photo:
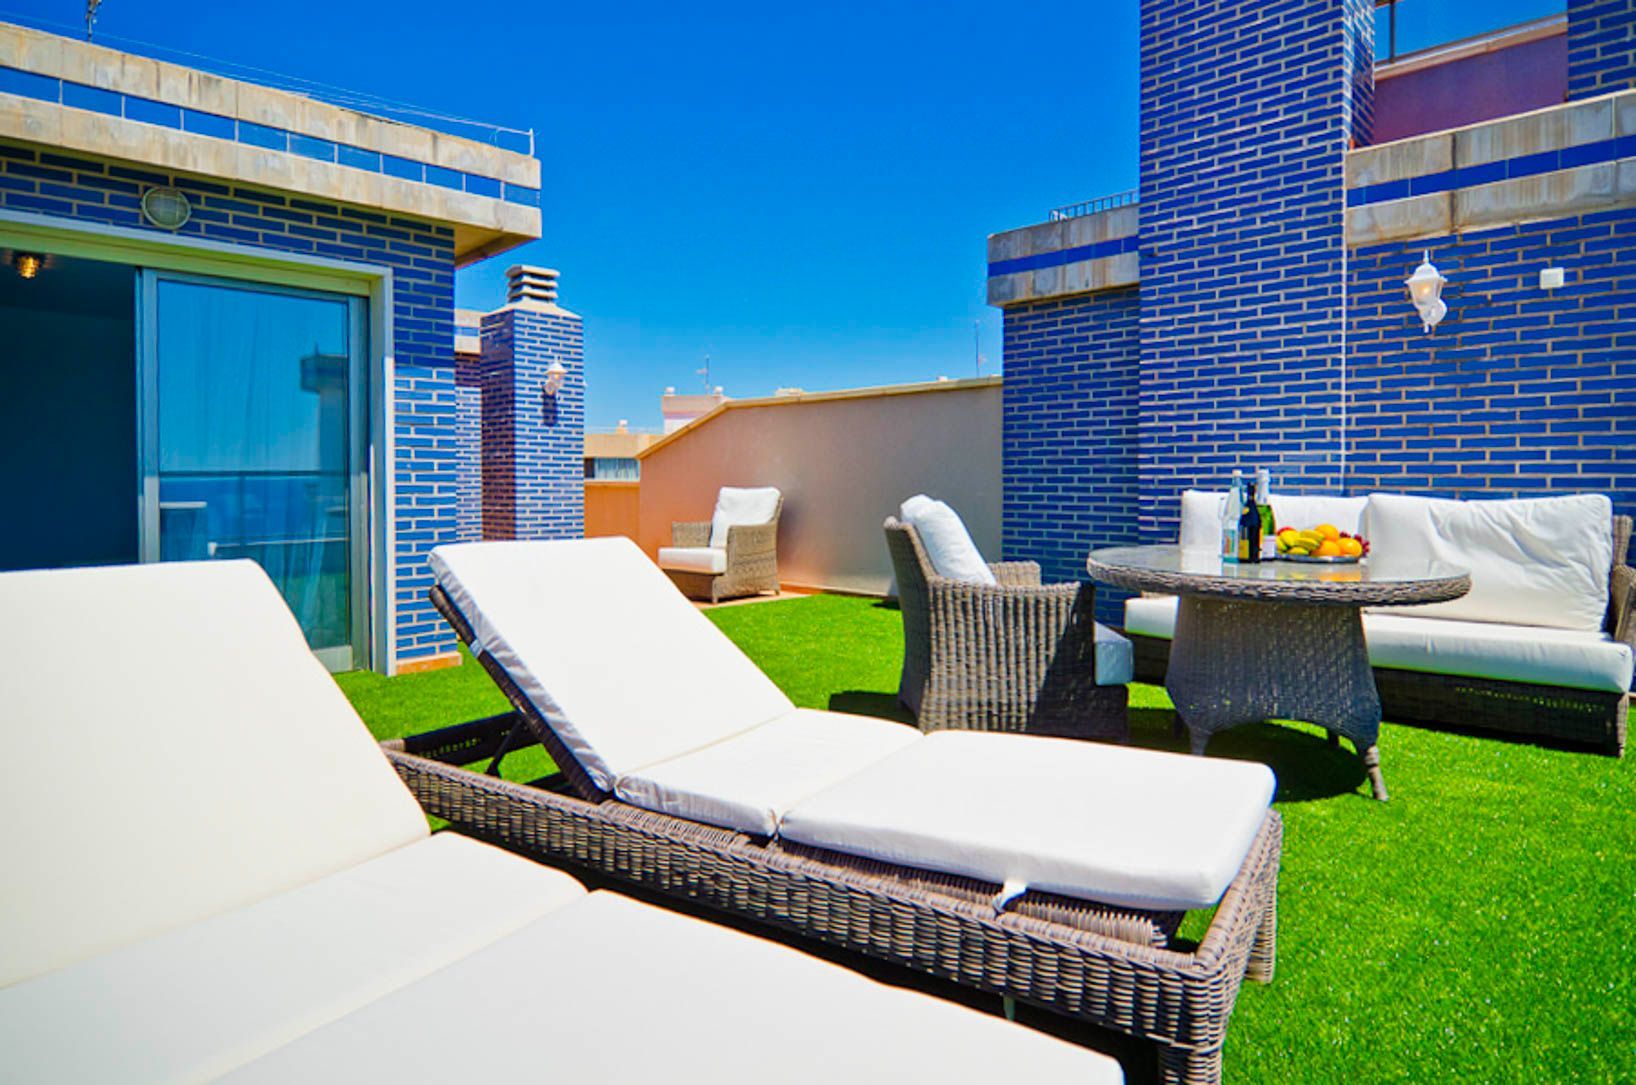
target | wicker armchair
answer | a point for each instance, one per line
(752, 559)
(1018, 656)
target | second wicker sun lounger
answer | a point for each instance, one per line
(1035, 868)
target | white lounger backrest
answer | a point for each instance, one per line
(625, 669)
(172, 751)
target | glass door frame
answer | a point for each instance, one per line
(357, 653)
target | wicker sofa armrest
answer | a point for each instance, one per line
(749, 541)
(690, 533)
(1622, 611)
(1021, 574)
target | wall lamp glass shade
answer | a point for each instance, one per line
(28, 264)
(1426, 292)
(554, 376)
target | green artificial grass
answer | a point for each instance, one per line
(1476, 928)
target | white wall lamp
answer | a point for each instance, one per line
(1426, 290)
(555, 374)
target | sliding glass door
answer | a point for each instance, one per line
(252, 426)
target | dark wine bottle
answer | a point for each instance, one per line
(1249, 529)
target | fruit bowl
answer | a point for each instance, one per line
(1325, 544)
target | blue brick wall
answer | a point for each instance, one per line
(1520, 391)
(468, 428)
(533, 444)
(1601, 47)
(421, 258)
(1069, 433)
(1247, 111)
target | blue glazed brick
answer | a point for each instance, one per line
(151, 112)
(260, 135)
(95, 99)
(483, 186)
(528, 197)
(445, 178)
(310, 147)
(209, 124)
(1601, 47)
(393, 166)
(358, 158)
(29, 85)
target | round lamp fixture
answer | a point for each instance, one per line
(554, 376)
(1426, 292)
(28, 264)
(166, 208)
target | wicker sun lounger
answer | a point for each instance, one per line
(1114, 967)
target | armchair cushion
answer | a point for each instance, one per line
(693, 559)
(735, 506)
(1124, 826)
(1534, 561)
(946, 541)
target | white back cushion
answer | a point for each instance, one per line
(627, 671)
(735, 507)
(173, 750)
(947, 543)
(1201, 514)
(1535, 561)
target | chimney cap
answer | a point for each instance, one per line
(531, 286)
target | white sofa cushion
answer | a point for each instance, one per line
(170, 740)
(1534, 561)
(195, 1002)
(1201, 514)
(748, 781)
(1114, 824)
(623, 991)
(1571, 658)
(693, 559)
(737, 507)
(944, 537)
(626, 669)
(1115, 658)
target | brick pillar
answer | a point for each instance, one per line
(1601, 47)
(1247, 113)
(533, 440)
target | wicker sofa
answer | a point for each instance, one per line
(1552, 660)
(731, 555)
(231, 884)
(1014, 656)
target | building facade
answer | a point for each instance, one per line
(1249, 300)
(230, 334)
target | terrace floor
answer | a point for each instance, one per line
(1481, 926)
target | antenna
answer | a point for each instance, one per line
(976, 349)
(704, 373)
(91, 17)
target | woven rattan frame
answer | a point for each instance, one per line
(1105, 966)
(752, 559)
(1017, 656)
(1588, 717)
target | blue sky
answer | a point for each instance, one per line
(800, 192)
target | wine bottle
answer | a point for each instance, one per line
(1269, 523)
(1232, 508)
(1249, 530)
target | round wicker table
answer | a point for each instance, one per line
(1276, 640)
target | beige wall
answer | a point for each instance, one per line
(844, 461)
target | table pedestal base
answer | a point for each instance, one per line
(1238, 661)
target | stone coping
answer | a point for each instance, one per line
(1076, 255)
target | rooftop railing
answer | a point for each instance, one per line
(1091, 207)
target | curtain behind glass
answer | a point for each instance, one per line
(253, 441)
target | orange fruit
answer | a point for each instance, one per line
(1350, 547)
(1328, 531)
(1329, 548)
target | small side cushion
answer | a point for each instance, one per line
(693, 559)
(1115, 658)
(1123, 826)
(1541, 561)
(198, 1001)
(947, 543)
(1151, 616)
(747, 782)
(609, 989)
(736, 506)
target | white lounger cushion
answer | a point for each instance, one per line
(1123, 826)
(747, 782)
(741, 507)
(630, 993)
(172, 743)
(1570, 658)
(693, 559)
(200, 1000)
(626, 669)
(1536, 561)
(947, 543)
